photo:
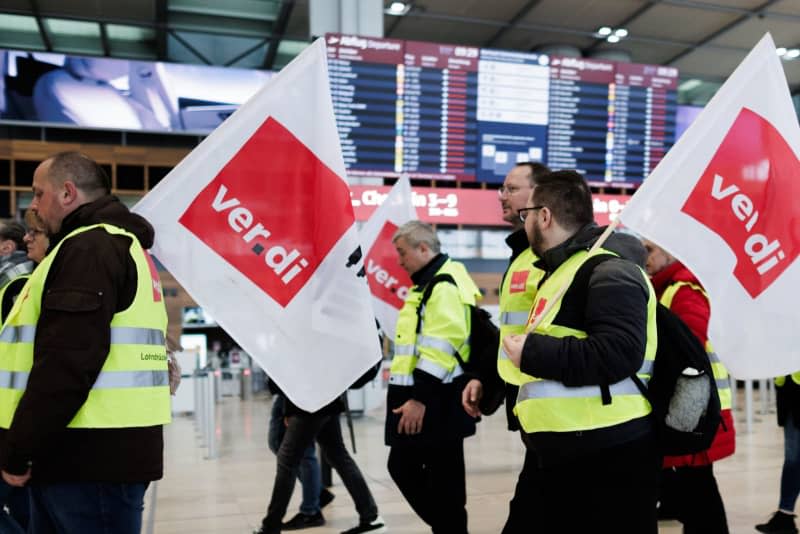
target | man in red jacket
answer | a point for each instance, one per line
(689, 489)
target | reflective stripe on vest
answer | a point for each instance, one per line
(719, 371)
(432, 354)
(515, 306)
(550, 406)
(132, 388)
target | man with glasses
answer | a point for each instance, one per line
(517, 290)
(578, 406)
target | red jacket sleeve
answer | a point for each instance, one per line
(693, 308)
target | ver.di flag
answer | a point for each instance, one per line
(388, 282)
(724, 202)
(256, 223)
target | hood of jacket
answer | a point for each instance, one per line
(108, 210)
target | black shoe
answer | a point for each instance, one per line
(325, 497)
(301, 521)
(376, 525)
(779, 523)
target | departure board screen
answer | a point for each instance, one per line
(448, 112)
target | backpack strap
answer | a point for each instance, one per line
(426, 295)
(579, 289)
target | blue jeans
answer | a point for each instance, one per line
(308, 472)
(790, 475)
(88, 508)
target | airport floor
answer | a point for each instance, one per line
(229, 494)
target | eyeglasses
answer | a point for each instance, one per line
(523, 212)
(508, 190)
(32, 232)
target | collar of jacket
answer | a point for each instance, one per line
(580, 240)
(674, 272)
(424, 275)
(517, 241)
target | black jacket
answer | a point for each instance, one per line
(91, 278)
(445, 418)
(614, 315)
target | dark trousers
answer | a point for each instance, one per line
(18, 504)
(692, 495)
(432, 480)
(300, 434)
(519, 519)
(610, 490)
(88, 508)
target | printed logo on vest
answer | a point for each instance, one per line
(154, 278)
(540, 305)
(273, 212)
(387, 280)
(747, 195)
(519, 280)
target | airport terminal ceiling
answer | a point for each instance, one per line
(705, 40)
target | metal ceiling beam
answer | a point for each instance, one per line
(703, 6)
(48, 44)
(104, 40)
(518, 16)
(247, 52)
(189, 47)
(277, 33)
(161, 29)
(625, 22)
(726, 28)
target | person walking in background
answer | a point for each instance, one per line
(788, 401)
(425, 423)
(315, 497)
(689, 491)
(581, 411)
(517, 291)
(302, 428)
(82, 421)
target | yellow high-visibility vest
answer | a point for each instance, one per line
(781, 380)
(550, 406)
(445, 329)
(721, 375)
(132, 389)
(516, 298)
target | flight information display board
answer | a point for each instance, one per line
(449, 112)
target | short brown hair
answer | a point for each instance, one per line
(537, 170)
(568, 197)
(83, 171)
(14, 231)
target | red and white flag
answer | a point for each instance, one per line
(388, 281)
(256, 223)
(724, 202)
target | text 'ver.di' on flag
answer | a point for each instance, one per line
(388, 282)
(724, 202)
(256, 223)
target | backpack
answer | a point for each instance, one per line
(484, 339)
(682, 389)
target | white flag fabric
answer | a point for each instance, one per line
(256, 223)
(724, 202)
(388, 282)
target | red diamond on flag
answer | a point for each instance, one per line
(273, 212)
(747, 195)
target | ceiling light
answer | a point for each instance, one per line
(780, 51)
(621, 33)
(688, 85)
(605, 30)
(792, 53)
(398, 8)
(612, 39)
